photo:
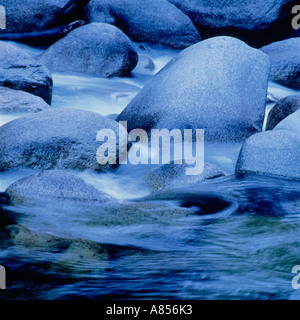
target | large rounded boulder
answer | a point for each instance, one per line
(219, 85)
(248, 15)
(97, 48)
(253, 20)
(149, 21)
(57, 139)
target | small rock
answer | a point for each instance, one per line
(282, 109)
(171, 176)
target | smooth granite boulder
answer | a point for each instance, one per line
(149, 21)
(282, 109)
(56, 139)
(285, 62)
(97, 48)
(21, 72)
(255, 21)
(274, 153)
(35, 15)
(172, 176)
(291, 123)
(55, 185)
(16, 101)
(219, 85)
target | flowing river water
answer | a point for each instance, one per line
(245, 250)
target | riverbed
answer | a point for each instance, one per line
(245, 251)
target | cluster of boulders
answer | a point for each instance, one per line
(175, 23)
(217, 84)
(178, 24)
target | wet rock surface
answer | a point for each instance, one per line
(21, 72)
(97, 48)
(146, 21)
(227, 99)
(55, 139)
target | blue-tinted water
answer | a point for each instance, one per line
(161, 246)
